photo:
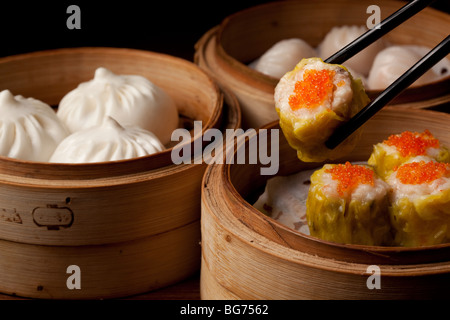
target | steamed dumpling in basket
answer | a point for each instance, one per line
(420, 203)
(29, 128)
(312, 101)
(348, 203)
(400, 148)
(130, 99)
(107, 142)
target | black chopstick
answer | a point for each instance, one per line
(372, 35)
(404, 81)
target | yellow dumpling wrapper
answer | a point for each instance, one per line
(312, 101)
(420, 212)
(359, 217)
(422, 222)
(401, 148)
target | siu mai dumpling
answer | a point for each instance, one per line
(420, 203)
(29, 128)
(312, 101)
(130, 99)
(400, 148)
(348, 203)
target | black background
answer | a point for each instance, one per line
(171, 27)
(163, 26)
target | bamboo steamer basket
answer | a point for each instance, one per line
(131, 226)
(227, 49)
(248, 255)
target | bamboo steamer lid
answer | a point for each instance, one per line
(227, 49)
(248, 255)
(131, 226)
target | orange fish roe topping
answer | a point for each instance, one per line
(310, 92)
(350, 176)
(422, 172)
(413, 143)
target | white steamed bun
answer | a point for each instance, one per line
(29, 128)
(109, 141)
(130, 99)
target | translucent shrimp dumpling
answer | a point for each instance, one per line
(29, 128)
(312, 101)
(283, 56)
(340, 36)
(391, 63)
